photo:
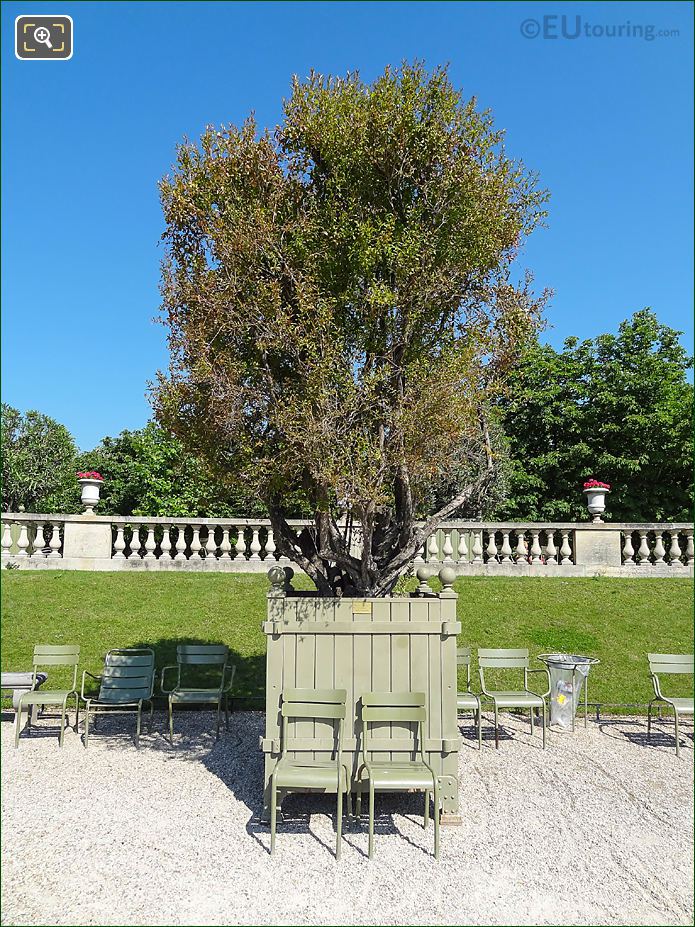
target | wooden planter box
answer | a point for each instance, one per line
(362, 645)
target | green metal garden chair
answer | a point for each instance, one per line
(300, 775)
(495, 659)
(50, 655)
(468, 700)
(396, 775)
(662, 664)
(126, 681)
(192, 660)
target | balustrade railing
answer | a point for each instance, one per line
(247, 544)
(35, 537)
(670, 545)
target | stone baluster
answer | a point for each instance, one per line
(180, 545)
(226, 544)
(119, 543)
(535, 546)
(520, 550)
(689, 552)
(54, 543)
(477, 548)
(674, 551)
(643, 552)
(628, 549)
(240, 546)
(506, 548)
(448, 548)
(565, 550)
(462, 548)
(195, 543)
(150, 544)
(550, 549)
(135, 543)
(165, 543)
(270, 546)
(6, 539)
(23, 541)
(491, 549)
(38, 543)
(433, 549)
(659, 550)
(418, 558)
(255, 545)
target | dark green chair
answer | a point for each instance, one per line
(306, 775)
(663, 664)
(496, 659)
(417, 775)
(468, 700)
(50, 655)
(126, 681)
(200, 663)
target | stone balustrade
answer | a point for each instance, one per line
(90, 542)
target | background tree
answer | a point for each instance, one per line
(340, 310)
(38, 463)
(150, 472)
(618, 408)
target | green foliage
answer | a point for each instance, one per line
(149, 472)
(340, 310)
(38, 463)
(617, 408)
(612, 619)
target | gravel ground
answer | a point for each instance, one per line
(596, 830)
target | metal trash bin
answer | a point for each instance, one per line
(568, 674)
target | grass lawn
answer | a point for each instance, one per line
(616, 620)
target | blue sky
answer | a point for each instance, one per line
(606, 121)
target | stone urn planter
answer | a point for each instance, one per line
(91, 483)
(595, 492)
(398, 643)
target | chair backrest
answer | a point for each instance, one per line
(463, 658)
(128, 676)
(662, 663)
(398, 707)
(496, 658)
(206, 664)
(57, 655)
(312, 705)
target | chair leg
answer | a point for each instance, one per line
(358, 804)
(497, 733)
(137, 726)
(649, 720)
(226, 712)
(678, 739)
(480, 728)
(171, 721)
(77, 713)
(532, 731)
(427, 809)
(18, 723)
(149, 726)
(436, 818)
(86, 727)
(273, 814)
(62, 723)
(339, 821)
(543, 724)
(371, 819)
